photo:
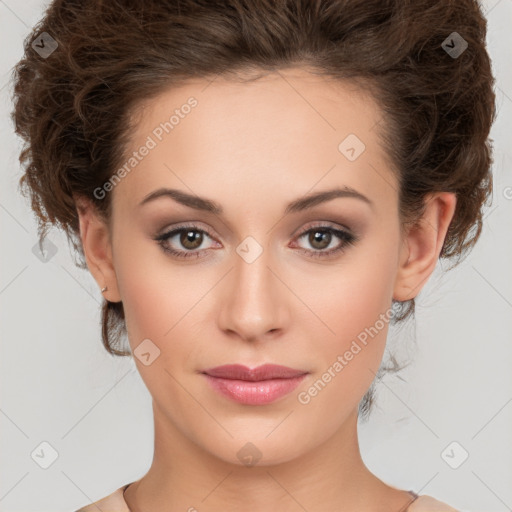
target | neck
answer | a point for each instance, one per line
(332, 476)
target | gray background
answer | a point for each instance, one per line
(60, 386)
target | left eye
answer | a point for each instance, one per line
(320, 237)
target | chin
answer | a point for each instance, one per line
(254, 450)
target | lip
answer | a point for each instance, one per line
(258, 386)
(263, 372)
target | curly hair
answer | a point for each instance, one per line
(73, 103)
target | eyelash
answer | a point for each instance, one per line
(348, 238)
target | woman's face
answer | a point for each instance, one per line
(308, 287)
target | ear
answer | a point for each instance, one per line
(96, 243)
(422, 245)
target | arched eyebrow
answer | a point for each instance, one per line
(298, 205)
(310, 200)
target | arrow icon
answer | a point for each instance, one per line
(454, 45)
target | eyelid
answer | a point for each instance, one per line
(194, 225)
(324, 224)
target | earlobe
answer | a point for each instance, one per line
(96, 243)
(422, 245)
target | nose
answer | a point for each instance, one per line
(254, 300)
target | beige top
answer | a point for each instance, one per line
(115, 503)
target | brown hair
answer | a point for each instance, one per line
(73, 105)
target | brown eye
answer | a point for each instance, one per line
(185, 241)
(191, 239)
(320, 239)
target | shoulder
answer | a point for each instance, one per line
(115, 502)
(112, 503)
(428, 504)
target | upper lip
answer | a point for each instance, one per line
(263, 372)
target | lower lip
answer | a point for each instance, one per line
(254, 393)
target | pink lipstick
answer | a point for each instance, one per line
(258, 386)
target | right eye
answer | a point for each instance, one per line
(190, 237)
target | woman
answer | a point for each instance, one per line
(255, 187)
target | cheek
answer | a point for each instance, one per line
(162, 303)
(156, 294)
(355, 304)
(355, 307)
(155, 303)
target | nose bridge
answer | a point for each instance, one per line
(254, 303)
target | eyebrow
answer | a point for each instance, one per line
(303, 203)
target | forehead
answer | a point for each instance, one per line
(284, 133)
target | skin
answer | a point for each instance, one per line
(253, 148)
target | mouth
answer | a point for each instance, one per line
(258, 386)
